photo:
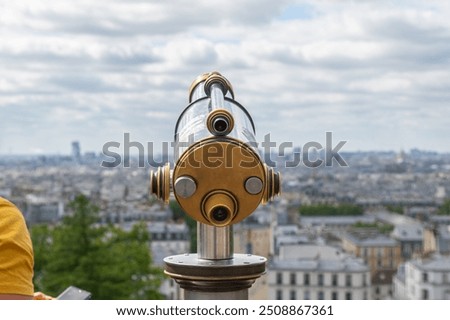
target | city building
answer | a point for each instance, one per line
(42, 210)
(425, 279)
(76, 151)
(317, 272)
(436, 238)
(410, 237)
(335, 222)
(252, 238)
(381, 253)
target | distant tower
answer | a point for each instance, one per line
(76, 152)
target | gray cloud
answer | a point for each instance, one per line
(374, 73)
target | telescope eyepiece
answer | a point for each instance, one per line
(220, 122)
(219, 208)
(220, 214)
(220, 125)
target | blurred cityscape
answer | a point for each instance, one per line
(397, 249)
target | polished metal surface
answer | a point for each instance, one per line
(217, 96)
(160, 182)
(190, 267)
(253, 185)
(185, 187)
(214, 243)
(218, 179)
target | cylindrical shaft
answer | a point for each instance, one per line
(217, 98)
(214, 243)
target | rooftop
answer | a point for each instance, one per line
(369, 238)
(316, 258)
(433, 263)
(408, 232)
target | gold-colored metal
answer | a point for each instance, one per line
(219, 207)
(216, 114)
(220, 166)
(160, 182)
(273, 186)
(214, 75)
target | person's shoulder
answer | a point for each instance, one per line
(8, 208)
(6, 204)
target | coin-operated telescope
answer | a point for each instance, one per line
(218, 179)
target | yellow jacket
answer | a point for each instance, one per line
(16, 252)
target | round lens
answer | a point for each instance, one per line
(220, 214)
(220, 125)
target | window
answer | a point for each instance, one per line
(306, 279)
(365, 295)
(425, 277)
(348, 280)
(425, 294)
(348, 296)
(320, 295)
(320, 279)
(380, 252)
(293, 295)
(306, 295)
(379, 262)
(293, 278)
(334, 295)
(377, 290)
(279, 278)
(334, 280)
(364, 279)
(279, 295)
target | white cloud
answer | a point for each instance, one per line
(345, 66)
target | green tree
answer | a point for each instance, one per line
(41, 236)
(444, 209)
(107, 261)
(381, 227)
(395, 208)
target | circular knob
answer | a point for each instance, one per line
(185, 187)
(160, 182)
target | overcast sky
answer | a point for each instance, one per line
(375, 73)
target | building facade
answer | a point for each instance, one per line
(381, 253)
(317, 272)
(424, 279)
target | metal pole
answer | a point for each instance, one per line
(214, 243)
(215, 272)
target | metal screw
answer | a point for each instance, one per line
(185, 186)
(253, 185)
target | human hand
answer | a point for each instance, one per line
(41, 296)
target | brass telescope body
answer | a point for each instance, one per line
(218, 178)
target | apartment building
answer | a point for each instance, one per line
(424, 279)
(317, 272)
(380, 253)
